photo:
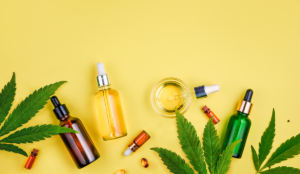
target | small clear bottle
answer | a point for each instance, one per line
(109, 108)
(80, 145)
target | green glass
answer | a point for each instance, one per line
(238, 128)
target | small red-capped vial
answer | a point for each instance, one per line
(137, 142)
(210, 114)
(31, 159)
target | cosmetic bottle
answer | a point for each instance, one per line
(109, 108)
(239, 126)
(137, 143)
(79, 145)
(31, 159)
(210, 114)
(171, 93)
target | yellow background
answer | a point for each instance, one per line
(236, 44)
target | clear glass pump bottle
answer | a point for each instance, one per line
(80, 145)
(239, 126)
(109, 108)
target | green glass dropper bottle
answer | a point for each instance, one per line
(239, 126)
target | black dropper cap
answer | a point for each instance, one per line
(248, 95)
(60, 110)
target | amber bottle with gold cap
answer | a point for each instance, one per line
(239, 126)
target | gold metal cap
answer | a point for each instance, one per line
(245, 107)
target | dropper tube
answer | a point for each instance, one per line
(200, 91)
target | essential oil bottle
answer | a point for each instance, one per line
(31, 159)
(109, 108)
(239, 126)
(80, 145)
(137, 143)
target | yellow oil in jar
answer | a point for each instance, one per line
(166, 92)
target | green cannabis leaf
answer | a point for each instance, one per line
(211, 145)
(282, 170)
(286, 150)
(255, 158)
(191, 146)
(267, 140)
(27, 109)
(190, 143)
(173, 161)
(224, 161)
(7, 96)
(12, 148)
(35, 133)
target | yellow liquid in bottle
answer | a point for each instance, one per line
(166, 92)
(110, 113)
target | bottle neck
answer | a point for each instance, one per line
(64, 118)
(104, 87)
(133, 146)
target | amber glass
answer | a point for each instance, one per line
(139, 141)
(141, 138)
(80, 145)
(30, 161)
(110, 112)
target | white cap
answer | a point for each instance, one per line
(101, 70)
(211, 88)
(128, 151)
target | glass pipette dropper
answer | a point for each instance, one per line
(200, 91)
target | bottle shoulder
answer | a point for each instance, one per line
(109, 91)
(69, 120)
(240, 117)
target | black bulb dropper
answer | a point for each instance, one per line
(60, 110)
(55, 101)
(248, 95)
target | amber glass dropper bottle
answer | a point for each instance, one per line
(239, 126)
(80, 145)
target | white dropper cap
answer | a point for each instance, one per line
(211, 88)
(102, 77)
(101, 69)
(128, 151)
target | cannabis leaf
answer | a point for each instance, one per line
(255, 159)
(173, 161)
(267, 140)
(211, 146)
(36, 133)
(7, 96)
(12, 148)
(29, 107)
(224, 161)
(282, 170)
(191, 146)
(286, 150)
(190, 143)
